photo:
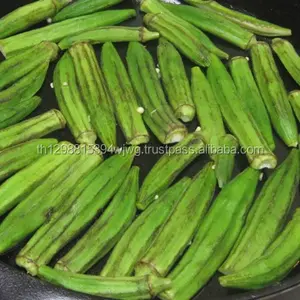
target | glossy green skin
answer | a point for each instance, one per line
(20, 65)
(251, 97)
(70, 101)
(123, 96)
(18, 157)
(158, 115)
(110, 34)
(215, 237)
(238, 120)
(215, 24)
(280, 258)
(90, 196)
(30, 129)
(266, 217)
(106, 231)
(288, 56)
(140, 235)
(145, 287)
(175, 81)
(82, 8)
(294, 98)
(28, 15)
(250, 23)
(168, 168)
(274, 93)
(56, 32)
(38, 207)
(180, 227)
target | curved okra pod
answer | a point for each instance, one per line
(266, 217)
(294, 98)
(123, 96)
(215, 237)
(238, 120)
(251, 97)
(215, 24)
(279, 259)
(288, 56)
(175, 81)
(250, 23)
(158, 115)
(274, 93)
(180, 227)
(82, 8)
(168, 167)
(56, 32)
(32, 128)
(143, 231)
(145, 287)
(90, 196)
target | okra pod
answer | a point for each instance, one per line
(266, 217)
(13, 111)
(28, 15)
(82, 8)
(214, 238)
(90, 196)
(175, 81)
(180, 227)
(110, 34)
(215, 24)
(18, 157)
(238, 120)
(250, 23)
(274, 93)
(145, 287)
(251, 97)
(169, 167)
(39, 206)
(158, 115)
(31, 129)
(294, 98)
(288, 56)
(56, 32)
(280, 258)
(143, 231)
(106, 231)
(123, 96)
(70, 101)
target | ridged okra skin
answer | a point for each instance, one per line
(294, 98)
(266, 217)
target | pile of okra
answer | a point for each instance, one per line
(165, 237)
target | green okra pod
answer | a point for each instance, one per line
(214, 238)
(168, 167)
(82, 8)
(140, 235)
(56, 32)
(175, 81)
(110, 34)
(274, 93)
(266, 217)
(237, 118)
(180, 227)
(250, 23)
(32, 128)
(158, 115)
(70, 101)
(90, 196)
(123, 96)
(288, 56)
(251, 97)
(28, 15)
(279, 259)
(145, 287)
(294, 98)
(215, 24)
(18, 157)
